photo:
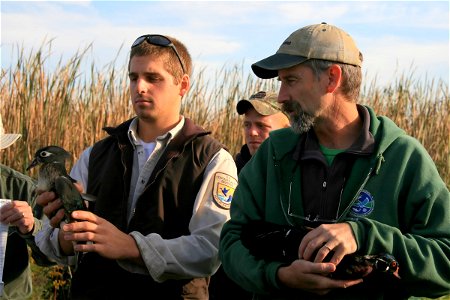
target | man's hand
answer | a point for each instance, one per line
(326, 238)
(312, 277)
(18, 213)
(98, 235)
(52, 207)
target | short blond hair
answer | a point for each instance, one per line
(171, 62)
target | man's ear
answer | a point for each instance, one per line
(334, 78)
(185, 85)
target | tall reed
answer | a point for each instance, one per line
(64, 106)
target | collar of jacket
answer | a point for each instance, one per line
(363, 145)
(382, 129)
(189, 131)
(242, 158)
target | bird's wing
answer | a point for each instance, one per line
(69, 195)
(61, 168)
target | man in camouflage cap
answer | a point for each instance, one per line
(262, 114)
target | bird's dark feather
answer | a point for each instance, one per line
(280, 243)
(69, 195)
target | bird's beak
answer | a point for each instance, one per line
(33, 164)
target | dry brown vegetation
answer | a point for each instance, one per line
(67, 107)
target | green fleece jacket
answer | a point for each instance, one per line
(394, 200)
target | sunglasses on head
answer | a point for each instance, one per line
(158, 40)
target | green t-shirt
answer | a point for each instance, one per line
(330, 153)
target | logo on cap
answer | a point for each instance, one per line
(258, 95)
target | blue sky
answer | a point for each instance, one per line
(396, 37)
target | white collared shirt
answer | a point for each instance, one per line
(144, 162)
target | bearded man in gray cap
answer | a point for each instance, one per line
(346, 181)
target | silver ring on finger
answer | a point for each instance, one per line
(325, 246)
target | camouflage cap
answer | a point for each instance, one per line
(265, 103)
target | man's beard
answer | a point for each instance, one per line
(301, 121)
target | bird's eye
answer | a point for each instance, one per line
(45, 154)
(393, 266)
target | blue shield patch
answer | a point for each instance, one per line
(364, 205)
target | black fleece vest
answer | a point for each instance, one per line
(172, 189)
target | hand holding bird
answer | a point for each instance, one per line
(18, 213)
(53, 177)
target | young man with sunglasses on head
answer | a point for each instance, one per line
(163, 189)
(340, 182)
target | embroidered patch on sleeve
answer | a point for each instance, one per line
(223, 189)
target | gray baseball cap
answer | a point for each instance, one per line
(265, 103)
(319, 41)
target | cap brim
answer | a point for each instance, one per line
(7, 139)
(260, 107)
(268, 67)
(242, 106)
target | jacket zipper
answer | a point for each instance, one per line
(344, 213)
(149, 184)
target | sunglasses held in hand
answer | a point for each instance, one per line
(158, 40)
